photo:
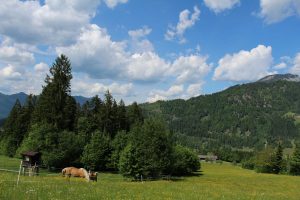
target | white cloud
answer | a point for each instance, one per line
(96, 54)
(139, 43)
(176, 92)
(190, 68)
(55, 22)
(194, 90)
(41, 68)
(146, 66)
(92, 87)
(220, 5)
(281, 65)
(14, 55)
(245, 65)
(173, 92)
(186, 20)
(16, 79)
(10, 72)
(277, 10)
(296, 65)
(114, 3)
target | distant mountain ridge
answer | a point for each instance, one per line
(8, 101)
(280, 77)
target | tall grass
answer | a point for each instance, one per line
(217, 181)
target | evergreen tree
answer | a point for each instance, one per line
(278, 159)
(295, 161)
(55, 105)
(135, 114)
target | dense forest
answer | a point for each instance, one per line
(235, 122)
(98, 135)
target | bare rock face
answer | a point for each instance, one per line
(280, 77)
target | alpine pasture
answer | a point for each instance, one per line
(215, 181)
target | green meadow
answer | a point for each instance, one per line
(215, 181)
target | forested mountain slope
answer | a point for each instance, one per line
(242, 117)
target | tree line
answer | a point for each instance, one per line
(101, 134)
(272, 160)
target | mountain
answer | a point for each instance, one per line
(243, 117)
(8, 101)
(280, 77)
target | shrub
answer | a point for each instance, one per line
(185, 161)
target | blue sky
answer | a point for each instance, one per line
(145, 50)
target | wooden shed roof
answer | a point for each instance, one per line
(30, 153)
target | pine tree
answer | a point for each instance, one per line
(295, 162)
(55, 104)
(122, 118)
(135, 114)
(277, 159)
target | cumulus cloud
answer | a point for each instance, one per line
(186, 21)
(296, 65)
(139, 43)
(220, 5)
(10, 72)
(41, 68)
(14, 55)
(16, 79)
(194, 90)
(281, 65)
(245, 65)
(92, 87)
(55, 22)
(273, 11)
(96, 54)
(173, 92)
(190, 68)
(146, 66)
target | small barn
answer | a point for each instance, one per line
(211, 158)
(31, 162)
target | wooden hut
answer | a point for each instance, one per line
(31, 162)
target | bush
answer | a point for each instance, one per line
(149, 152)
(185, 161)
(97, 152)
(248, 164)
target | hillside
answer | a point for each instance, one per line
(242, 117)
(7, 102)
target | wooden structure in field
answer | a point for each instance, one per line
(211, 158)
(30, 162)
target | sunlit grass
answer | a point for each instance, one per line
(217, 181)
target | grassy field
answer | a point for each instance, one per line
(217, 181)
